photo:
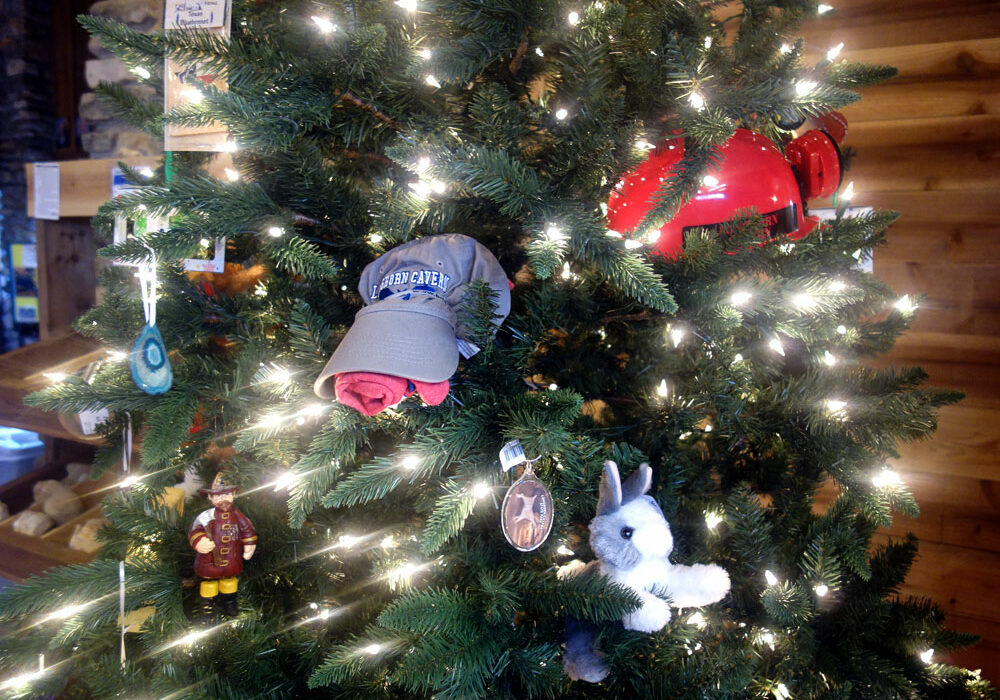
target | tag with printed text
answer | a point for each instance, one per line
(511, 455)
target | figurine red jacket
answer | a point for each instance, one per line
(230, 530)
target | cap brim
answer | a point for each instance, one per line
(401, 343)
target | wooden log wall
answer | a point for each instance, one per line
(928, 145)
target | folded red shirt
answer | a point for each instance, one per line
(371, 393)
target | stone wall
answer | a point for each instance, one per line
(105, 136)
(27, 124)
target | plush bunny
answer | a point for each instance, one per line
(632, 541)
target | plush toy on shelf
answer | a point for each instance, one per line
(633, 543)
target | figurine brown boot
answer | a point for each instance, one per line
(227, 604)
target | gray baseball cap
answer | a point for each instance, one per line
(409, 326)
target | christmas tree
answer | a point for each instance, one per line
(386, 562)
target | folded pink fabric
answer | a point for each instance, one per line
(370, 393)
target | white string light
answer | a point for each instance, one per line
(372, 649)
(561, 113)
(481, 490)
(565, 551)
(836, 408)
(709, 181)
(804, 87)
(662, 390)
(834, 51)
(771, 579)
(324, 24)
(887, 478)
(432, 81)
(285, 481)
(141, 72)
(232, 175)
(785, 48)
(276, 232)
(821, 590)
(823, 8)
(408, 5)
(905, 305)
(741, 297)
(410, 462)
(573, 18)
(712, 519)
(677, 334)
(848, 194)
(698, 620)
(632, 244)
(146, 171)
(828, 359)
(554, 233)
(780, 692)
(842, 330)
(804, 301)
(775, 344)
(696, 100)
(927, 656)
(55, 377)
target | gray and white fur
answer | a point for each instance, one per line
(633, 543)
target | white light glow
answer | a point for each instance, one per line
(66, 612)
(708, 42)
(632, 244)
(838, 285)
(740, 298)
(785, 48)
(828, 359)
(375, 239)
(771, 579)
(905, 305)
(677, 334)
(836, 406)
(408, 5)
(781, 692)
(848, 194)
(553, 386)
(410, 462)
(388, 542)
(821, 590)
(425, 54)
(834, 51)
(644, 145)
(712, 519)
(804, 301)
(710, 181)
(232, 175)
(55, 377)
(146, 171)
(766, 637)
(562, 113)
(481, 490)
(696, 100)
(285, 481)
(737, 358)
(573, 18)
(347, 541)
(538, 50)
(432, 81)
(566, 272)
(372, 649)
(804, 87)
(438, 187)
(776, 345)
(927, 656)
(823, 8)
(565, 551)
(698, 620)
(117, 355)
(423, 164)
(887, 478)
(141, 72)
(230, 147)
(842, 330)
(276, 232)
(662, 390)
(421, 188)
(324, 24)
(554, 233)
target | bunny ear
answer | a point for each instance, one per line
(638, 483)
(611, 490)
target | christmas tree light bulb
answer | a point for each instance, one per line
(538, 50)
(804, 87)
(423, 163)
(375, 239)
(838, 286)
(438, 187)
(230, 147)
(553, 387)
(192, 95)
(708, 42)
(771, 579)
(632, 244)
(432, 81)
(232, 175)
(828, 359)
(677, 335)
(821, 590)
(410, 462)
(276, 232)
(709, 181)
(823, 8)
(421, 188)
(848, 194)
(781, 692)
(698, 620)
(55, 377)
(776, 345)
(425, 54)
(204, 242)
(554, 233)
(373, 649)
(886, 478)
(804, 301)
(739, 298)
(661, 389)
(565, 551)
(388, 542)
(653, 237)
(696, 100)
(324, 24)
(905, 305)
(613, 234)
(566, 273)
(836, 408)
(146, 171)
(117, 355)
(785, 48)
(927, 656)
(481, 490)
(141, 72)
(842, 330)
(573, 18)
(129, 481)
(408, 5)
(562, 113)
(347, 541)
(644, 145)
(314, 606)
(766, 637)
(738, 357)
(834, 51)
(712, 519)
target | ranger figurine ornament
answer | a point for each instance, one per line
(222, 537)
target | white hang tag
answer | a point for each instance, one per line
(511, 455)
(466, 348)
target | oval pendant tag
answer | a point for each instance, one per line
(149, 362)
(526, 514)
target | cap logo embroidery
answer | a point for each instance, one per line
(429, 281)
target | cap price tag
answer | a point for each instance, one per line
(511, 455)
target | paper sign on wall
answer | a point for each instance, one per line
(46, 184)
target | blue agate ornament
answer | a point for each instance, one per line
(149, 362)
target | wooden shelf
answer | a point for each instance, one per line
(23, 371)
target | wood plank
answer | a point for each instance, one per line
(966, 58)
(967, 444)
(905, 24)
(84, 185)
(964, 167)
(944, 282)
(954, 243)
(946, 347)
(958, 318)
(961, 581)
(961, 208)
(902, 130)
(67, 276)
(926, 99)
(985, 655)
(953, 510)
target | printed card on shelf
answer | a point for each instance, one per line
(186, 81)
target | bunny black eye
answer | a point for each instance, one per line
(627, 532)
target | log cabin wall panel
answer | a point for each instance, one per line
(928, 145)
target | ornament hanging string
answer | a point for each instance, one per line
(126, 471)
(147, 287)
(121, 607)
